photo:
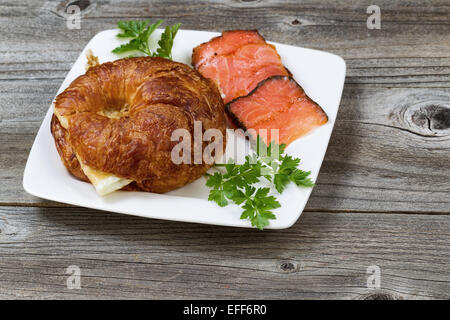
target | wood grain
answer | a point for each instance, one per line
(326, 24)
(389, 154)
(324, 255)
(402, 53)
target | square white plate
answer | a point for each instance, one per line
(322, 76)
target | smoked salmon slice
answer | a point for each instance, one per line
(278, 102)
(237, 61)
(225, 44)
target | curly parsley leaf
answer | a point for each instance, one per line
(300, 178)
(280, 181)
(234, 194)
(283, 172)
(140, 32)
(250, 173)
(214, 180)
(218, 196)
(217, 193)
(133, 45)
(148, 32)
(258, 208)
(288, 171)
(166, 42)
(235, 183)
(131, 29)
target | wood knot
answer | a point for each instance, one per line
(428, 118)
(6, 229)
(295, 22)
(249, 2)
(82, 4)
(379, 296)
(288, 267)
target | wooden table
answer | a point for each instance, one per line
(382, 197)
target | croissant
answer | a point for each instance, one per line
(118, 118)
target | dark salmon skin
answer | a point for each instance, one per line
(278, 102)
(237, 61)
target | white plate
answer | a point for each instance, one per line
(322, 76)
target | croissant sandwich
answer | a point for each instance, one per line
(113, 125)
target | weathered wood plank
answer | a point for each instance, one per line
(386, 152)
(417, 28)
(389, 150)
(325, 255)
(40, 46)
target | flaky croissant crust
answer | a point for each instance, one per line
(156, 96)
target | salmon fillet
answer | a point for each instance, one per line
(237, 61)
(225, 44)
(278, 102)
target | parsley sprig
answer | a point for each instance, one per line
(236, 183)
(140, 32)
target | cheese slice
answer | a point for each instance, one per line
(103, 182)
(62, 119)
